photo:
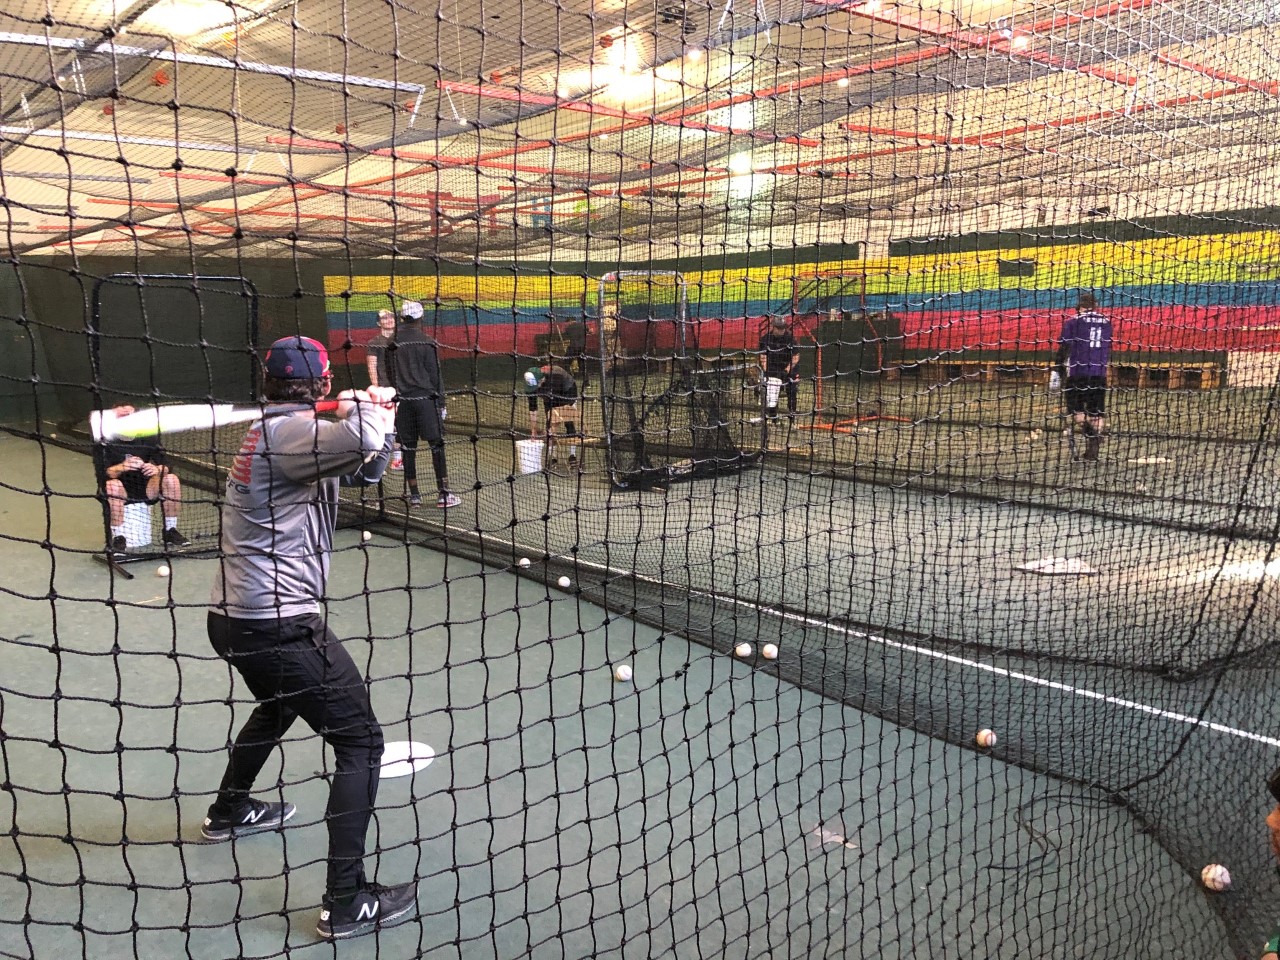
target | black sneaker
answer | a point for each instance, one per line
(173, 537)
(118, 549)
(373, 908)
(254, 816)
(415, 500)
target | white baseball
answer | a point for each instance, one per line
(743, 649)
(53, 436)
(769, 651)
(564, 583)
(986, 738)
(1216, 877)
(162, 570)
(366, 536)
(622, 673)
(524, 561)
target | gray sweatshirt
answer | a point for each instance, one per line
(280, 509)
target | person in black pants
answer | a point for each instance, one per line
(421, 411)
(558, 391)
(780, 360)
(135, 471)
(278, 517)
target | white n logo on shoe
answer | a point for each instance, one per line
(368, 911)
(253, 816)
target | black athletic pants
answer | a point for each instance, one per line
(295, 667)
(418, 419)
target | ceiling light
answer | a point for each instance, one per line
(184, 18)
(742, 115)
(740, 163)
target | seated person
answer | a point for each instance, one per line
(134, 471)
(558, 391)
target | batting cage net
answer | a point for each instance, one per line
(819, 497)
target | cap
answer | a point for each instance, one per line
(779, 323)
(533, 376)
(297, 358)
(411, 310)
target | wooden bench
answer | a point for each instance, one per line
(1140, 376)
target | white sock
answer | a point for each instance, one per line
(117, 531)
(170, 523)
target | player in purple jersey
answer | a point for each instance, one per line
(266, 620)
(1084, 350)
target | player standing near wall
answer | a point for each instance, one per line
(420, 412)
(1084, 351)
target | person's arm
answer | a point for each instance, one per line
(535, 428)
(435, 381)
(371, 471)
(371, 365)
(116, 462)
(154, 462)
(795, 357)
(306, 450)
(1064, 349)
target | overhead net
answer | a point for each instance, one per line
(826, 579)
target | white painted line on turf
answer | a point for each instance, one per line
(1170, 715)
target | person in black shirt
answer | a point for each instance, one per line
(558, 391)
(376, 350)
(780, 359)
(376, 363)
(415, 372)
(134, 471)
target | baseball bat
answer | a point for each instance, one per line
(106, 425)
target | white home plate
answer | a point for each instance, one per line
(403, 757)
(1058, 566)
(1148, 461)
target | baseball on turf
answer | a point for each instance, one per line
(1216, 877)
(769, 651)
(366, 535)
(162, 570)
(622, 673)
(743, 649)
(986, 738)
(564, 583)
(524, 561)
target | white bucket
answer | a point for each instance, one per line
(772, 387)
(137, 524)
(529, 455)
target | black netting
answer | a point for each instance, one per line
(824, 389)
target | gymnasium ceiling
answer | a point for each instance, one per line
(569, 128)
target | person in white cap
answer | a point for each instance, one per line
(420, 410)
